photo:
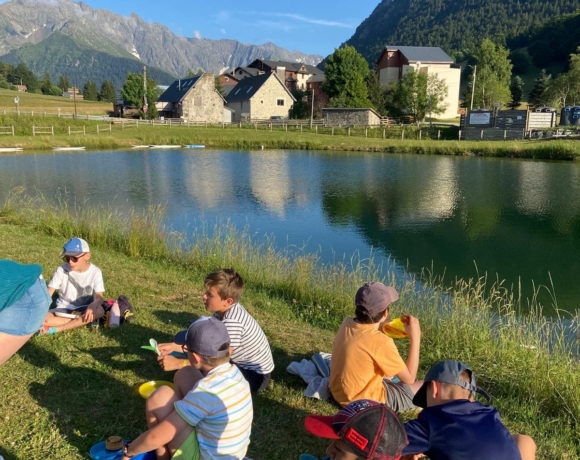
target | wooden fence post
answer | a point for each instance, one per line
(12, 130)
(482, 134)
(383, 133)
(349, 130)
(438, 134)
(402, 133)
(333, 131)
(420, 133)
(52, 129)
(97, 129)
(316, 127)
(504, 133)
(366, 132)
(84, 132)
(286, 126)
(301, 128)
(69, 130)
(33, 131)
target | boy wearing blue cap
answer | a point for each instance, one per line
(80, 290)
(214, 420)
(452, 426)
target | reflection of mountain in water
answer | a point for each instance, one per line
(452, 213)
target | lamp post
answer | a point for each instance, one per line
(474, 67)
(312, 109)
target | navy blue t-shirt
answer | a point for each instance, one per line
(460, 430)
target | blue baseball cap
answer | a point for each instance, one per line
(447, 372)
(75, 247)
(205, 336)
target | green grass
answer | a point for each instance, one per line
(63, 393)
(279, 138)
(41, 103)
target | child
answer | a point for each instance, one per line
(214, 420)
(364, 359)
(452, 426)
(250, 349)
(80, 289)
(364, 429)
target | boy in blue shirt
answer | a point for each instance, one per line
(452, 426)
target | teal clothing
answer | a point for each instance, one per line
(15, 280)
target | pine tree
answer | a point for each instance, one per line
(538, 93)
(108, 92)
(63, 83)
(90, 92)
(517, 91)
(46, 85)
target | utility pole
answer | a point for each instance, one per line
(75, 99)
(473, 86)
(312, 109)
(144, 89)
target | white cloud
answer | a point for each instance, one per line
(277, 25)
(197, 34)
(223, 31)
(320, 22)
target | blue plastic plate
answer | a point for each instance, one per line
(99, 452)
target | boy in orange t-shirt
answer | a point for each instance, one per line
(365, 360)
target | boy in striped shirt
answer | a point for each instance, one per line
(250, 349)
(214, 419)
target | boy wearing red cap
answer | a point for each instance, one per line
(365, 360)
(364, 429)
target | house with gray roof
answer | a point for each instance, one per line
(395, 61)
(192, 99)
(294, 74)
(260, 98)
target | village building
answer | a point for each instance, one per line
(395, 61)
(21, 88)
(351, 117)
(260, 98)
(244, 72)
(295, 75)
(73, 93)
(192, 99)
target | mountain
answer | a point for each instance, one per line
(61, 55)
(100, 31)
(457, 26)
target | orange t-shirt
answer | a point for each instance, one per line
(361, 357)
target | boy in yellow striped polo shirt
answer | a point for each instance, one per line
(214, 419)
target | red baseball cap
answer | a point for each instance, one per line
(371, 429)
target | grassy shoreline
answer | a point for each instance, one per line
(250, 138)
(298, 303)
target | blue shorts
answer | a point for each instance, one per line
(25, 316)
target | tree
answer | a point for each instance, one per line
(345, 72)
(301, 108)
(90, 92)
(22, 75)
(494, 69)
(538, 94)
(55, 91)
(521, 62)
(377, 93)
(46, 85)
(517, 91)
(134, 94)
(218, 85)
(108, 92)
(419, 93)
(565, 89)
(191, 73)
(63, 83)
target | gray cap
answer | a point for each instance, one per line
(447, 372)
(205, 336)
(375, 297)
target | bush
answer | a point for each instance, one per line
(4, 84)
(55, 91)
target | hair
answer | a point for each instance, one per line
(228, 282)
(215, 361)
(452, 391)
(364, 317)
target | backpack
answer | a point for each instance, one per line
(125, 309)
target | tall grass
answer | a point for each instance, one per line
(526, 361)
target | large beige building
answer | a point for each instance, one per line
(193, 99)
(395, 61)
(260, 98)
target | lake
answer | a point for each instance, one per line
(517, 220)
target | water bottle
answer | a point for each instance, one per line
(115, 315)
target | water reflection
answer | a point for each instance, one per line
(519, 219)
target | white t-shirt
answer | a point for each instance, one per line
(76, 289)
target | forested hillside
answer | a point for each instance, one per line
(60, 55)
(457, 26)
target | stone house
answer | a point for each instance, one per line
(395, 61)
(351, 117)
(260, 98)
(294, 74)
(192, 99)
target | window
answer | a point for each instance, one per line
(280, 102)
(197, 101)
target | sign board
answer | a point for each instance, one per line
(479, 118)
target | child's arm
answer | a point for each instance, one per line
(51, 291)
(169, 362)
(158, 436)
(90, 313)
(413, 329)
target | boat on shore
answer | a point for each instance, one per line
(63, 149)
(194, 146)
(10, 149)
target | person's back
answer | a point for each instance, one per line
(452, 426)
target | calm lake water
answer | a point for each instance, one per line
(514, 219)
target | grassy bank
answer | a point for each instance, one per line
(279, 138)
(63, 393)
(40, 103)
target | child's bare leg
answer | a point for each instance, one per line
(158, 407)
(526, 445)
(10, 344)
(185, 379)
(77, 322)
(52, 320)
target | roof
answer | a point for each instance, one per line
(349, 109)
(247, 87)
(425, 54)
(316, 78)
(178, 89)
(251, 70)
(226, 89)
(293, 66)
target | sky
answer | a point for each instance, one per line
(309, 26)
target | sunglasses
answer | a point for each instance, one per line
(73, 258)
(184, 349)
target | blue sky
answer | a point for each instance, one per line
(310, 26)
